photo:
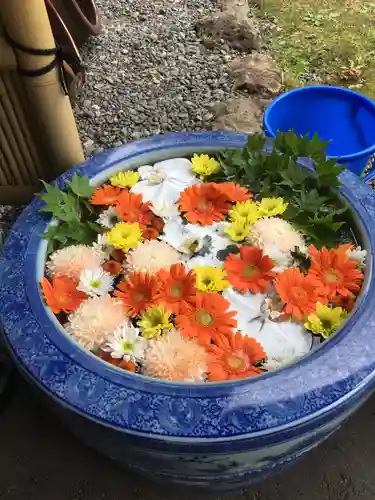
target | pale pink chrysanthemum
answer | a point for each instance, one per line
(151, 256)
(173, 357)
(71, 261)
(94, 320)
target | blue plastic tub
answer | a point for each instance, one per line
(339, 115)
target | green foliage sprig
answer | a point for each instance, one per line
(75, 217)
(270, 168)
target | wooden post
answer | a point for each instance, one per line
(27, 23)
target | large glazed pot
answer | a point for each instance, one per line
(214, 436)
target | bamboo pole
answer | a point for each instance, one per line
(15, 137)
(27, 23)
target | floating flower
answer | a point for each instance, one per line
(154, 322)
(126, 343)
(209, 315)
(151, 256)
(247, 307)
(204, 165)
(120, 363)
(250, 270)
(172, 357)
(277, 238)
(125, 179)
(358, 255)
(233, 356)
(336, 272)
(203, 204)
(62, 294)
(234, 192)
(105, 195)
(179, 237)
(131, 208)
(112, 267)
(163, 182)
(245, 212)
(299, 292)
(325, 320)
(210, 279)
(238, 230)
(95, 282)
(125, 235)
(268, 207)
(72, 260)
(137, 292)
(94, 320)
(108, 218)
(177, 288)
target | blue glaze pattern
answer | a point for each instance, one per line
(284, 409)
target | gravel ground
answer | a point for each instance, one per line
(149, 73)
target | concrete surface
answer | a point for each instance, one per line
(40, 460)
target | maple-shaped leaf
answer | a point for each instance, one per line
(51, 198)
(80, 186)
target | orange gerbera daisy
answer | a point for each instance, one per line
(204, 204)
(337, 273)
(130, 208)
(208, 315)
(118, 255)
(177, 288)
(120, 363)
(62, 295)
(250, 270)
(149, 233)
(138, 292)
(299, 292)
(157, 223)
(105, 195)
(234, 192)
(112, 267)
(233, 356)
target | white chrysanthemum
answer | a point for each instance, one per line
(95, 282)
(126, 343)
(151, 256)
(70, 261)
(109, 218)
(103, 246)
(358, 255)
(283, 341)
(278, 238)
(94, 320)
(162, 183)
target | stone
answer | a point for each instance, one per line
(240, 34)
(243, 114)
(238, 8)
(256, 73)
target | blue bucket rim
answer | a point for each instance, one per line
(331, 88)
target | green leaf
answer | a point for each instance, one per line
(80, 186)
(223, 254)
(52, 198)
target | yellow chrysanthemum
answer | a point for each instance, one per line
(125, 235)
(245, 211)
(269, 207)
(204, 166)
(211, 279)
(154, 322)
(238, 230)
(125, 179)
(325, 320)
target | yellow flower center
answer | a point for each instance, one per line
(332, 276)
(176, 290)
(236, 362)
(249, 270)
(127, 346)
(204, 318)
(95, 283)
